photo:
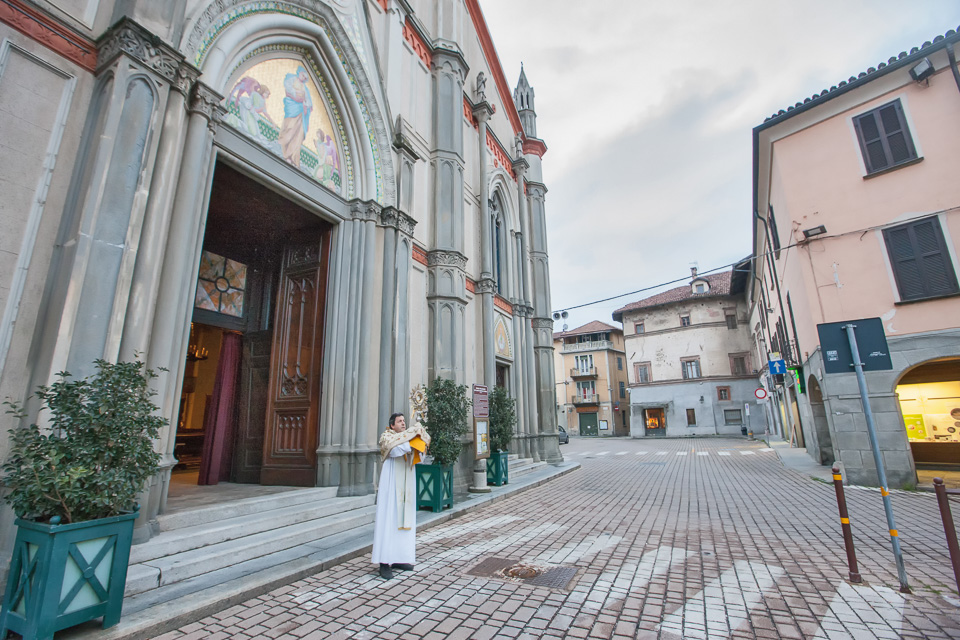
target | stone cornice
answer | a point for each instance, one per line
(542, 323)
(128, 37)
(482, 111)
(446, 51)
(536, 189)
(442, 258)
(49, 32)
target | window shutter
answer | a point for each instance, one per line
(921, 266)
(869, 132)
(884, 137)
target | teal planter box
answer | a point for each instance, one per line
(498, 471)
(64, 574)
(434, 487)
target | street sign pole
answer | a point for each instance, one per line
(882, 475)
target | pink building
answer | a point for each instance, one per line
(857, 215)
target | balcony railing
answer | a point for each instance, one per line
(591, 398)
(583, 372)
(596, 345)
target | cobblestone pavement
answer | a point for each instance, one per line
(691, 538)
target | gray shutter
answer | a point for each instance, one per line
(920, 262)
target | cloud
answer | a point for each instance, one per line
(647, 111)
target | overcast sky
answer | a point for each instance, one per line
(647, 110)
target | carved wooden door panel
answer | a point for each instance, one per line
(252, 406)
(293, 403)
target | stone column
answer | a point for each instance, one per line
(486, 286)
(178, 279)
(446, 262)
(548, 446)
(141, 305)
(530, 375)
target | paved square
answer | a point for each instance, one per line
(667, 545)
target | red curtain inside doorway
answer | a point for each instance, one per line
(220, 420)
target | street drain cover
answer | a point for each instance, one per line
(523, 572)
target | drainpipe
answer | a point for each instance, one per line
(953, 63)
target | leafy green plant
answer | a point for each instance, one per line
(97, 452)
(503, 418)
(446, 421)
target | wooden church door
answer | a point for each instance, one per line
(296, 360)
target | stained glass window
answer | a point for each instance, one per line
(221, 285)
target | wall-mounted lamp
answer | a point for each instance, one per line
(815, 231)
(922, 70)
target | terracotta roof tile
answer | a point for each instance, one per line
(865, 76)
(719, 286)
(594, 326)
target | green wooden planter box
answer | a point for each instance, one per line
(498, 471)
(64, 574)
(434, 487)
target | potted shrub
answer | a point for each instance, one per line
(446, 422)
(503, 418)
(73, 485)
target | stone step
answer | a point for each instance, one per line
(525, 466)
(178, 567)
(246, 522)
(246, 506)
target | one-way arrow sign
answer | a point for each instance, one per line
(777, 367)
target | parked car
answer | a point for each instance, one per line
(563, 435)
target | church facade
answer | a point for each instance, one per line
(295, 211)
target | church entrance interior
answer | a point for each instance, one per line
(249, 404)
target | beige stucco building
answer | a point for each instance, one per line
(690, 361)
(591, 383)
(857, 215)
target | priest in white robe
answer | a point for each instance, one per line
(394, 536)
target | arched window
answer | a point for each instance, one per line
(498, 253)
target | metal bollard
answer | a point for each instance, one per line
(845, 525)
(948, 527)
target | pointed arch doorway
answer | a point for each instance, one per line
(250, 401)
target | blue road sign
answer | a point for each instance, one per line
(777, 367)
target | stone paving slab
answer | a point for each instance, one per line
(730, 544)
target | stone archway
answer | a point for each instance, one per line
(929, 398)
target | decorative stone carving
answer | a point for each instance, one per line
(447, 259)
(543, 323)
(480, 92)
(365, 210)
(396, 219)
(130, 38)
(206, 102)
(486, 285)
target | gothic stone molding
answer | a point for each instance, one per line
(542, 323)
(396, 219)
(536, 190)
(447, 54)
(365, 211)
(447, 258)
(486, 285)
(220, 13)
(206, 102)
(128, 37)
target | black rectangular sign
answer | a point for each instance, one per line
(871, 342)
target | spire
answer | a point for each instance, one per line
(523, 98)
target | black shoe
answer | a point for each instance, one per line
(402, 566)
(385, 571)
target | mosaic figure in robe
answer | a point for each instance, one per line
(297, 106)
